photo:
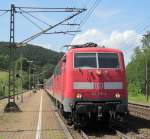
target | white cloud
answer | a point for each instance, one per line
(125, 41)
(88, 36)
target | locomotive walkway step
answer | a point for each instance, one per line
(37, 120)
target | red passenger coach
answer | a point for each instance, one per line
(89, 83)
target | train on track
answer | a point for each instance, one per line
(89, 83)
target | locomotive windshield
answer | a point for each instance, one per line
(108, 60)
(96, 60)
(85, 60)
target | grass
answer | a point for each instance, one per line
(3, 82)
(3, 75)
(138, 98)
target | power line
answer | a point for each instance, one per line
(1, 10)
(31, 21)
(143, 28)
(49, 8)
(4, 12)
(84, 5)
(36, 18)
(38, 9)
(93, 7)
(63, 32)
(49, 28)
(89, 13)
(71, 24)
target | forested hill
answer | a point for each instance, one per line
(41, 56)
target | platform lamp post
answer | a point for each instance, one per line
(21, 60)
(34, 79)
(29, 75)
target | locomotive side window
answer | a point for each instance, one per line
(108, 60)
(85, 60)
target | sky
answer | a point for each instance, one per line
(114, 23)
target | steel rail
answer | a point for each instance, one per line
(84, 135)
(141, 105)
(118, 133)
(122, 135)
(139, 110)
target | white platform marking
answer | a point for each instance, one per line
(38, 129)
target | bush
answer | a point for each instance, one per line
(133, 89)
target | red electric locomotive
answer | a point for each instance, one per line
(89, 83)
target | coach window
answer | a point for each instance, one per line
(85, 60)
(108, 60)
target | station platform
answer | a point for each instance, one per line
(38, 119)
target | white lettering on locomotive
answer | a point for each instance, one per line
(98, 85)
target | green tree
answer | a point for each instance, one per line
(138, 69)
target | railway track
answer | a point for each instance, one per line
(116, 134)
(116, 131)
(142, 111)
(95, 132)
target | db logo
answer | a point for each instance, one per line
(98, 85)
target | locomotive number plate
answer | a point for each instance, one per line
(98, 85)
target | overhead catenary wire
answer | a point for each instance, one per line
(49, 28)
(35, 17)
(49, 8)
(89, 13)
(4, 12)
(38, 9)
(79, 18)
(1, 10)
(84, 5)
(31, 21)
(64, 32)
(143, 28)
(93, 7)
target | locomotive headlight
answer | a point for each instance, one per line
(117, 95)
(98, 72)
(79, 95)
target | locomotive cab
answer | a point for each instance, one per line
(97, 78)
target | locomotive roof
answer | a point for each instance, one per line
(94, 49)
